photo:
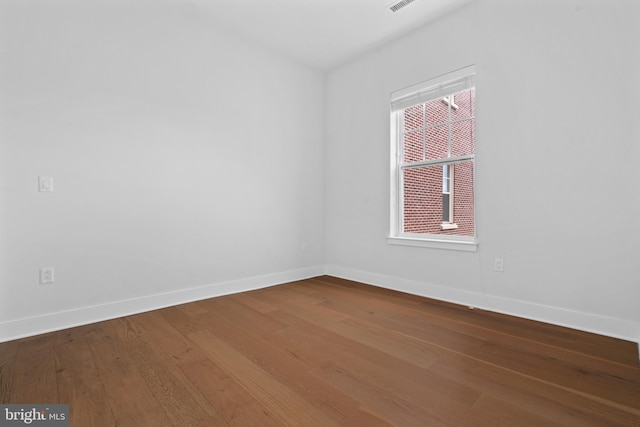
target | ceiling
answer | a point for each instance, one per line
(323, 33)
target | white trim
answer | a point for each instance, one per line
(396, 176)
(440, 161)
(425, 289)
(425, 242)
(602, 325)
(437, 87)
(451, 101)
(593, 323)
(448, 226)
(20, 328)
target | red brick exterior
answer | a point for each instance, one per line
(425, 137)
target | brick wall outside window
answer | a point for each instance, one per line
(423, 186)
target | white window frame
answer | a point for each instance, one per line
(439, 87)
(450, 100)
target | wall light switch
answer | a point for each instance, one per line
(45, 183)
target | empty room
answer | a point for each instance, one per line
(319, 213)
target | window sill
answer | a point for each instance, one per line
(448, 226)
(454, 245)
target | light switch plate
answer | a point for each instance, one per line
(45, 183)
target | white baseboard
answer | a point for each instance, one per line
(608, 326)
(602, 325)
(30, 326)
(414, 287)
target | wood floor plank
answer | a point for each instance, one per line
(613, 381)
(247, 299)
(392, 378)
(234, 404)
(495, 412)
(132, 401)
(179, 320)
(166, 335)
(290, 371)
(607, 348)
(378, 402)
(78, 381)
(567, 406)
(8, 355)
(260, 324)
(182, 402)
(401, 346)
(443, 400)
(34, 379)
(471, 356)
(231, 401)
(406, 377)
(324, 352)
(290, 407)
(597, 346)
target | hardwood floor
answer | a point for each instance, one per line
(325, 352)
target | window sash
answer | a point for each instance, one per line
(400, 202)
(449, 123)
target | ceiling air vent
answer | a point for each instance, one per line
(399, 5)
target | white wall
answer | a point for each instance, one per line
(557, 109)
(186, 163)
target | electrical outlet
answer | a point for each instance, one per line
(47, 275)
(498, 265)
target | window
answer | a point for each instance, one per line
(433, 160)
(447, 199)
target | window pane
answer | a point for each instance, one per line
(446, 211)
(424, 205)
(414, 117)
(463, 137)
(412, 145)
(437, 142)
(423, 200)
(465, 101)
(463, 199)
(446, 179)
(437, 112)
